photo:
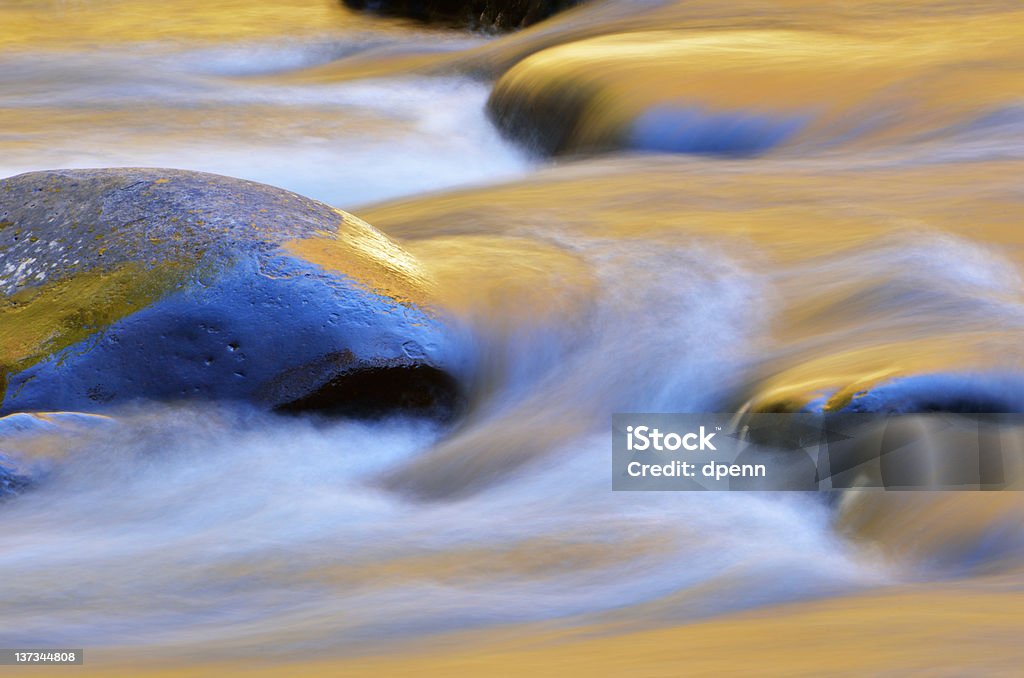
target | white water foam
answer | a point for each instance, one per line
(343, 143)
(218, 528)
(200, 529)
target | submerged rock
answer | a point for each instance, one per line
(33, 445)
(122, 284)
(681, 88)
(656, 91)
(11, 483)
(496, 14)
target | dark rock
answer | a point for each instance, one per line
(476, 14)
(382, 389)
(127, 284)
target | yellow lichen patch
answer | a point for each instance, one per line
(40, 321)
(367, 257)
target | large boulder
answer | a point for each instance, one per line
(124, 284)
(486, 14)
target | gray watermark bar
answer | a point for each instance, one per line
(41, 657)
(817, 452)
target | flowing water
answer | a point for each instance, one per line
(873, 248)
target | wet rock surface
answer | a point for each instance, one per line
(126, 284)
(477, 14)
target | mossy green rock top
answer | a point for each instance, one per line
(125, 284)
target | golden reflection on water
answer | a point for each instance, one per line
(361, 252)
(968, 627)
(852, 82)
(826, 235)
(50, 24)
(824, 229)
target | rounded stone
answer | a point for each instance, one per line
(126, 284)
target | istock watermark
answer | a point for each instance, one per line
(639, 438)
(822, 451)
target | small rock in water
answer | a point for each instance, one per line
(125, 284)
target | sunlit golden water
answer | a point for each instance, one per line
(879, 242)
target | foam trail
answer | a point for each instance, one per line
(235, 526)
(222, 516)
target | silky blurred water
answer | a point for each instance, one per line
(578, 286)
(200, 107)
